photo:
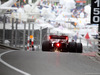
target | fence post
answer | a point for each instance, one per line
(4, 28)
(40, 38)
(12, 35)
(87, 43)
(29, 29)
(80, 40)
(48, 33)
(94, 45)
(24, 36)
(16, 33)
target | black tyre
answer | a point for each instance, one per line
(79, 48)
(46, 45)
(72, 47)
(64, 47)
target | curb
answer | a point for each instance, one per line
(97, 56)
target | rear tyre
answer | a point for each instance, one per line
(46, 45)
(72, 47)
(79, 48)
(64, 47)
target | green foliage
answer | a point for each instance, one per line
(88, 2)
(4, 0)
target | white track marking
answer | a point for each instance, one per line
(10, 66)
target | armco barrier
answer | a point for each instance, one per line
(98, 56)
(7, 47)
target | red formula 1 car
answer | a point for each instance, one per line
(61, 44)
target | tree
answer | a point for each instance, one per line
(3, 1)
(88, 2)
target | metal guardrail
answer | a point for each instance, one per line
(7, 47)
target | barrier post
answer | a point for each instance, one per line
(40, 38)
(28, 43)
(32, 42)
(4, 28)
(24, 35)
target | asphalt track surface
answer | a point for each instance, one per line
(47, 63)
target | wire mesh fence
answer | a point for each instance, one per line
(88, 45)
(18, 43)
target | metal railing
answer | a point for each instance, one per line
(90, 45)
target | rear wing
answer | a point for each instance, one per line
(58, 37)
